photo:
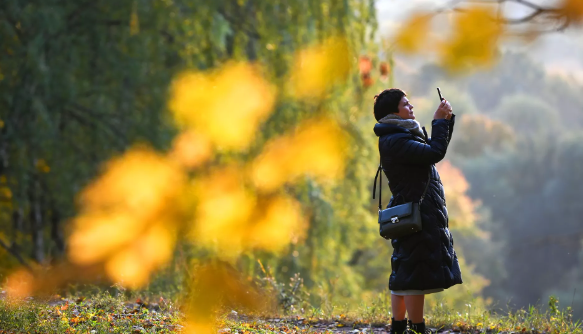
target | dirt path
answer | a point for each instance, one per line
(245, 324)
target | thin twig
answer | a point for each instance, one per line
(551, 13)
(524, 19)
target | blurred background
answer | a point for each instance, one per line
(516, 146)
(142, 140)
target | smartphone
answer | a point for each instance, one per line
(439, 92)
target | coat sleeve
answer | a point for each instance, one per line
(409, 151)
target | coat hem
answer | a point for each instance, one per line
(444, 287)
(415, 292)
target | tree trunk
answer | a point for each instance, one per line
(56, 233)
(36, 219)
(17, 222)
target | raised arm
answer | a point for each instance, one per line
(409, 151)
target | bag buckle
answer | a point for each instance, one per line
(394, 220)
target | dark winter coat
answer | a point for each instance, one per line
(426, 259)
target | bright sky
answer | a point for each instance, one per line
(561, 52)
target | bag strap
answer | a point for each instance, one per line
(379, 175)
(374, 187)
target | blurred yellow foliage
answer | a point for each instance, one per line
(1, 121)
(141, 182)
(199, 327)
(122, 216)
(279, 221)
(97, 236)
(190, 149)
(19, 284)
(573, 10)
(476, 34)
(5, 194)
(134, 22)
(232, 218)
(145, 254)
(317, 68)
(316, 148)
(226, 105)
(130, 215)
(126, 219)
(461, 208)
(413, 35)
(223, 211)
(218, 283)
(42, 166)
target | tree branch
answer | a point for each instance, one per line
(552, 14)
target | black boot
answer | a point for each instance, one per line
(419, 328)
(398, 327)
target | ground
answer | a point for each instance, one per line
(104, 313)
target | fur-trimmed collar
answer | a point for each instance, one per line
(409, 124)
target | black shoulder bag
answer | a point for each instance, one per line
(402, 219)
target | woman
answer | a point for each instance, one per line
(423, 262)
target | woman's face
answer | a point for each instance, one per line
(405, 109)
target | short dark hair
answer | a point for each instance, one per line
(387, 102)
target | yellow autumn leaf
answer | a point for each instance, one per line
(476, 33)
(223, 211)
(1, 121)
(226, 105)
(133, 265)
(572, 10)
(190, 150)
(139, 182)
(126, 268)
(230, 218)
(316, 149)
(122, 214)
(96, 236)
(317, 68)
(413, 34)
(280, 221)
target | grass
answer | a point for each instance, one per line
(445, 321)
(105, 313)
(377, 316)
(101, 313)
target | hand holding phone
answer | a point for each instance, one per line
(444, 110)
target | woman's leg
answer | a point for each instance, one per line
(414, 305)
(398, 306)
